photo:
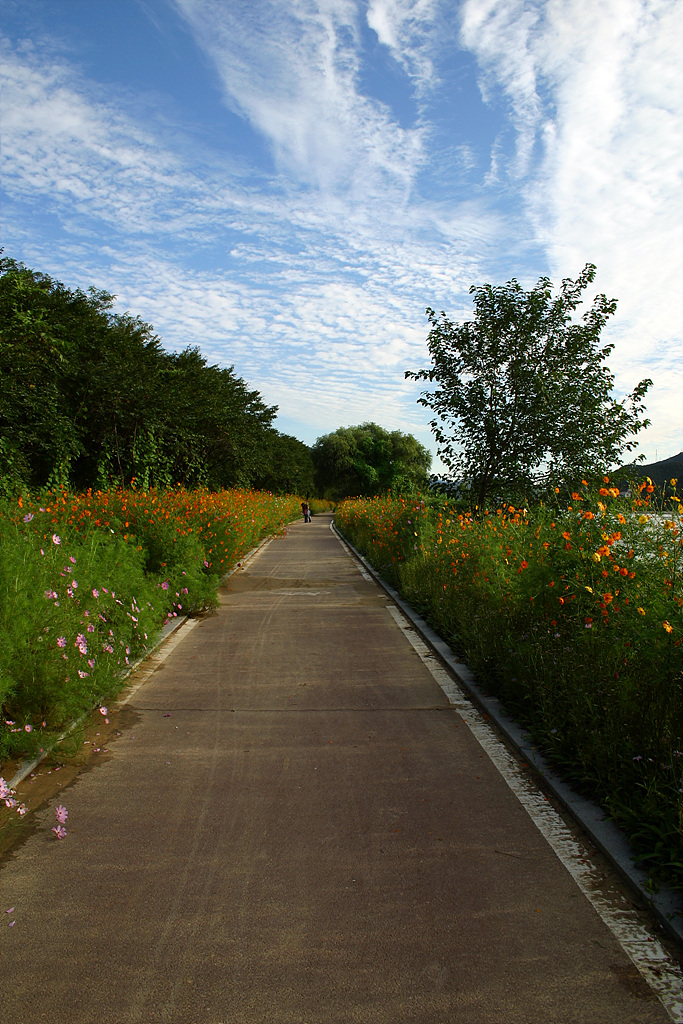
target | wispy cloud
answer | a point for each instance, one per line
(410, 29)
(61, 141)
(597, 92)
(292, 70)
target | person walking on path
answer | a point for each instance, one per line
(306, 511)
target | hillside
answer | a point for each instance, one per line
(659, 472)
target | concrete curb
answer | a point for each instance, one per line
(665, 904)
(167, 631)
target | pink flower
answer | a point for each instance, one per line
(61, 814)
(59, 831)
(50, 594)
(56, 539)
(164, 585)
(72, 559)
(28, 728)
(82, 674)
(4, 788)
(28, 517)
(61, 641)
(91, 628)
(95, 592)
(103, 710)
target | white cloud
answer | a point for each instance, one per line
(82, 156)
(292, 70)
(407, 28)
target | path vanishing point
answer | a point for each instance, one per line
(296, 820)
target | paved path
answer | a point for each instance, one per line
(295, 827)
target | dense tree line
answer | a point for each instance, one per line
(89, 398)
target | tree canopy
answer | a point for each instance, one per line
(522, 390)
(89, 397)
(368, 459)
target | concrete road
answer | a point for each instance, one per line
(295, 827)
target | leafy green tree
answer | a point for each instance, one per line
(88, 397)
(214, 431)
(522, 391)
(368, 459)
(287, 467)
(38, 439)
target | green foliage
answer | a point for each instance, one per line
(286, 466)
(88, 398)
(369, 460)
(523, 390)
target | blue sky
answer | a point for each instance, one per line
(289, 183)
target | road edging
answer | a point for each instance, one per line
(665, 905)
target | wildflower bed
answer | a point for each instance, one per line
(573, 617)
(87, 581)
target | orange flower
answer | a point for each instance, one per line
(667, 626)
(566, 535)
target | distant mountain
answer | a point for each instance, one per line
(659, 472)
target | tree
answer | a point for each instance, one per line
(88, 397)
(523, 392)
(286, 466)
(368, 459)
(38, 439)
